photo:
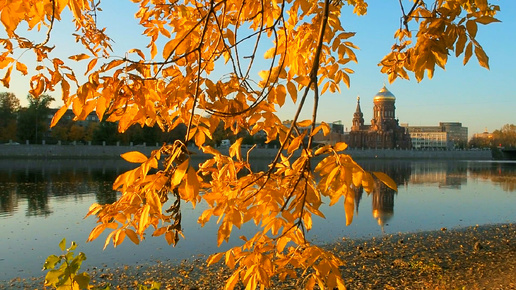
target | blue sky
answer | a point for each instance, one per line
(472, 95)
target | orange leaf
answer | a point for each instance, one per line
(213, 259)
(119, 237)
(340, 146)
(234, 150)
(96, 232)
(191, 186)
(292, 91)
(159, 232)
(386, 180)
(21, 68)
(7, 78)
(349, 206)
(144, 219)
(91, 65)
(132, 236)
(134, 157)
(281, 93)
(58, 115)
(139, 52)
(179, 173)
(79, 57)
(112, 64)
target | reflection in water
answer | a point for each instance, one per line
(33, 182)
(382, 196)
(502, 174)
(444, 174)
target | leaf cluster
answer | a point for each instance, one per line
(444, 28)
(64, 269)
(234, 63)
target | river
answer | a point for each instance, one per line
(43, 201)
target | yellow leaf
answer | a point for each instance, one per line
(472, 28)
(269, 53)
(169, 46)
(170, 238)
(292, 91)
(304, 123)
(386, 180)
(232, 281)
(461, 42)
(132, 236)
(179, 173)
(112, 64)
(322, 150)
(144, 219)
(357, 178)
(96, 232)
(223, 233)
(294, 144)
(119, 237)
(21, 68)
(340, 146)
(483, 59)
(331, 176)
(7, 78)
(281, 93)
(230, 259)
(91, 65)
(58, 115)
(79, 57)
(191, 185)
(215, 258)
(349, 206)
(210, 150)
(486, 20)
(134, 157)
(234, 150)
(159, 232)
(468, 53)
(139, 52)
(154, 50)
(325, 128)
(367, 182)
(310, 283)
(65, 88)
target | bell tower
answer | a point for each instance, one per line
(358, 118)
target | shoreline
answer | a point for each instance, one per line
(114, 152)
(478, 257)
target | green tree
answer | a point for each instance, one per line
(33, 122)
(9, 107)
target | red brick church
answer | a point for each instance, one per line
(384, 131)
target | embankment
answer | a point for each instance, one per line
(113, 152)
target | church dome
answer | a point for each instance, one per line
(384, 95)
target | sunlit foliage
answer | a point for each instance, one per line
(268, 53)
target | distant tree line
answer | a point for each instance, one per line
(504, 137)
(32, 123)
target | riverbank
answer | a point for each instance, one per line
(481, 257)
(114, 152)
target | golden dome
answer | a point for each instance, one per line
(384, 95)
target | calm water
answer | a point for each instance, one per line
(43, 201)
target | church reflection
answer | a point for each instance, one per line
(441, 174)
(382, 197)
